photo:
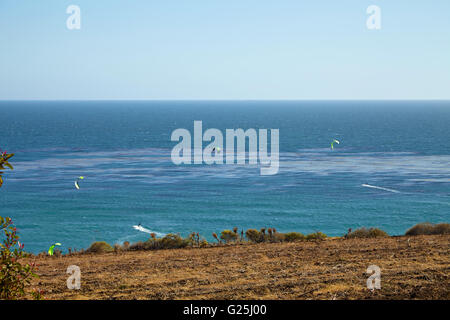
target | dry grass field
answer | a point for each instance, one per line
(417, 268)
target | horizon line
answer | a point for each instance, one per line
(222, 100)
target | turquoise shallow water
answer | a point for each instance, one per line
(123, 150)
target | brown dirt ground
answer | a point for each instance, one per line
(330, 269)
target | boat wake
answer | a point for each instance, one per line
(380, 188)
(142, 229)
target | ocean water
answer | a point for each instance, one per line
(123, 151)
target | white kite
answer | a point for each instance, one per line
(76, 182)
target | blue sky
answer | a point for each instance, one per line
(217, 49)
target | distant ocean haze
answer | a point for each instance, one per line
(123, 151)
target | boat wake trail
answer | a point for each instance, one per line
(142, 229)
(380, 188)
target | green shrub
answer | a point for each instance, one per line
(100, 247)
(277, 237)
(316, 236)
(203, 243)
(216, 237)
(254, 235)
(228, 236)
(427, 228)
(4, 157)
(174, 241)
(195, 239)
(442, 228)
(37, 294)
(170, 241)
(293, 236)
(14, 276)
(138, 246)
(367, 233)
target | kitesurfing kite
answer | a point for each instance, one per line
(76, 182)
(333, 142)
(52, 248)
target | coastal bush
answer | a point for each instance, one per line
(195, 240)
(228, 236)
(316, 236)
(442, 228)
(277, 237)
(14, 276)
(170, 241)
(174, 241)
(4, 157)
(367, 233)
(216, 237)
(274, 236)
(293, 236)
(427, 228)
(254, 235)
(37, 294)
(100, 247)
(203, 243)
(140, 245)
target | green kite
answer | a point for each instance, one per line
(333, 142)
(52, 248)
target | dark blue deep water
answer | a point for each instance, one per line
(123, 151)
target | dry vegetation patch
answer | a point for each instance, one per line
(411, 268)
